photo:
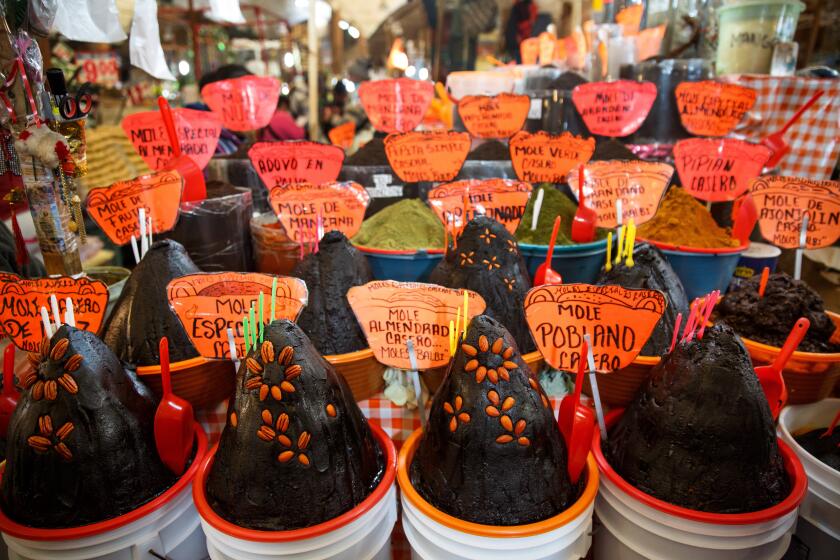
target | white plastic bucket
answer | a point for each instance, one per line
(169, 526)
(633, 529)
(821, 506)
(363, 533)
(434, 535)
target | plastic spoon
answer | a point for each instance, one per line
(583, 225)
(544, 274)
(776, 141)
(9, 398)
(194, 187)
(745, 220)
(174, 420)
(577, 423)
(770, 376)
(830, 430)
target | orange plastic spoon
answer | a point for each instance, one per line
(195, 188)
(770, 376)
(544, 274)
(9, 398)
(174, 420)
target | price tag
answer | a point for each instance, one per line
(618, 321)
(504, 200)
(207, 304)
(245, 103)
(639, 185)
(101, 68)
(343, 135)
(712, 108)
(341, 207)
(427, 156)
(391, 313)
(295, 161)
(198, 132)
(529, 51)
(783, 202)
(397, 105)
(545, 158)
(115, 208)
(499, 116)
(614, 108)
(718, 169)
(22, 300)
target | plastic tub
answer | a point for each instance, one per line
(617, 389)
(702, 270)
(748, 31)
(361, 533)
(821, 506)
(460, 84)
(239, 172)
(274, 252)
(638, 526)
(404, 266)
(434, 535)
(362, 372)
(204, 383)
(754, 260)
(579, 263)
(168, 525)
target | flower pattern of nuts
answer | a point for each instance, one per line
(467, 258)
(270, 378)
(48, 373)
(489, 362)
(453, 410)
(47, 438)
(487, 236)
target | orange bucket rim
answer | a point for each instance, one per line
(580, 505)
(357, 356)
(175, 366)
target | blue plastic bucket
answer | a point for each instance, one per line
(702, 270)
(575, 263)
(403, 266)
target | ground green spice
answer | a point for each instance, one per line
(408, 224)
(554, 204)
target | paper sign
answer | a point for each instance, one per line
(207, 304)
(245, 103)
(639, 185)
(343, 135)
(630, 19)
(529, 50)
(392, 312)
(499, 116)
(547, 43)
(115, 208)
(341, 207)
(614, 108)
(397, 105)
(618, 321)
(22, 300)
(718, 169)
(295, 161)
(712, 108)
(503, 200)
(427, 156)
(649, 42)
(782, 203)
(198, 132)
(545, 158)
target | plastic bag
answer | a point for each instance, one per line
(91, 21)
(42, 15)
(226, 11)
(144, 45)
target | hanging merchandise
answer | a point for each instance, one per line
(144, 45)
(42, 15)
(226, 11)
(91, 21)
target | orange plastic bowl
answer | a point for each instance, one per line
(204, 383)
(620, 387)
(362, 372)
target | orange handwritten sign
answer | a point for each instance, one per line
(340, 205)
(547, 44)
(245, 103)
(649, 42)
(529, 50)
(545, 158)
(614, 108)
(427, 156)
(397, 105)
(22, 300)
(343, 134)
(618, 321)
(712, 108)
(718, 169)
(630, 19)
(499, 116)
(115, 208)
(207, 304)
(295, 161)
(639, 185)
(503, 200)
(783, 202)
(392, 312)
(197, 131)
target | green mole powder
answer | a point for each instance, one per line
(408, 224)
(554, 204)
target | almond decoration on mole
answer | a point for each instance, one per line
(331, 411)
(455, 413)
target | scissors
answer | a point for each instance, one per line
(76, 106)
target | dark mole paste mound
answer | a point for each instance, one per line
(700, 434)
(142, 315)
(769, 319)
(651, 271)
(328, 319)
(372, 153)
(81, 445)
(493, 452)
(825, 449)
(492, 150)
(487, 261)
(296, 450)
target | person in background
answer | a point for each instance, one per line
(282, 125)
(229, 141)
(333, 111)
